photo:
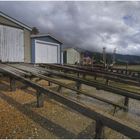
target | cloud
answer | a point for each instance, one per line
(88, 25)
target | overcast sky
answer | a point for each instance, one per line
(89, 25)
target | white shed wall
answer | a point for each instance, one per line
(46, 52)
(72, 56)
(11, 44)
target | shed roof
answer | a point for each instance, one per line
(68, 48)
(45, 35)
(15, 21)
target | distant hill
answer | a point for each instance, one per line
(131, 59)
(120, 58)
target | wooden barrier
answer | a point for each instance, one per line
(121, 79)
(102, 119)
(108, 72)
(76, 90)
(123, 92)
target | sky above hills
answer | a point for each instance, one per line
(89, 25)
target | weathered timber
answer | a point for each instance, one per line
(107, 120)
(40, 98)
(99, 130)
(112, 78)
(12, 84)
(59, 89)
(126, 101)
(101, 72)
(119, 91)
(77, 91)
(78, 85)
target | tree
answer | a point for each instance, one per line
(35, 31)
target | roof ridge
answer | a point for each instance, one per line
(15, 21)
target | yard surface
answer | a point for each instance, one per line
(20, 118)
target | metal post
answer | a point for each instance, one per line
(40, 98)
(98, 130)
(12, 84)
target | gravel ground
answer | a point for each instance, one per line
(19, 117)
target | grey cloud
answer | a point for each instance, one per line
(89, 25)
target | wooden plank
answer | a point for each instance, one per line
(99, 130)
(119, 91)
(77, 91)
(12, 84)
(40, 98)
(107, 120)
(105, 74)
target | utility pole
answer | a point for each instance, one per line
(114, 53)
(104, 56)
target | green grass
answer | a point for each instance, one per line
(130, 67)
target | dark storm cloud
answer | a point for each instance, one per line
(89, 25)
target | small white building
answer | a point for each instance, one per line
(71, 56)
(46, 49)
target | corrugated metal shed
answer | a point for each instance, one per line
(46, 49)
(14, 40)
